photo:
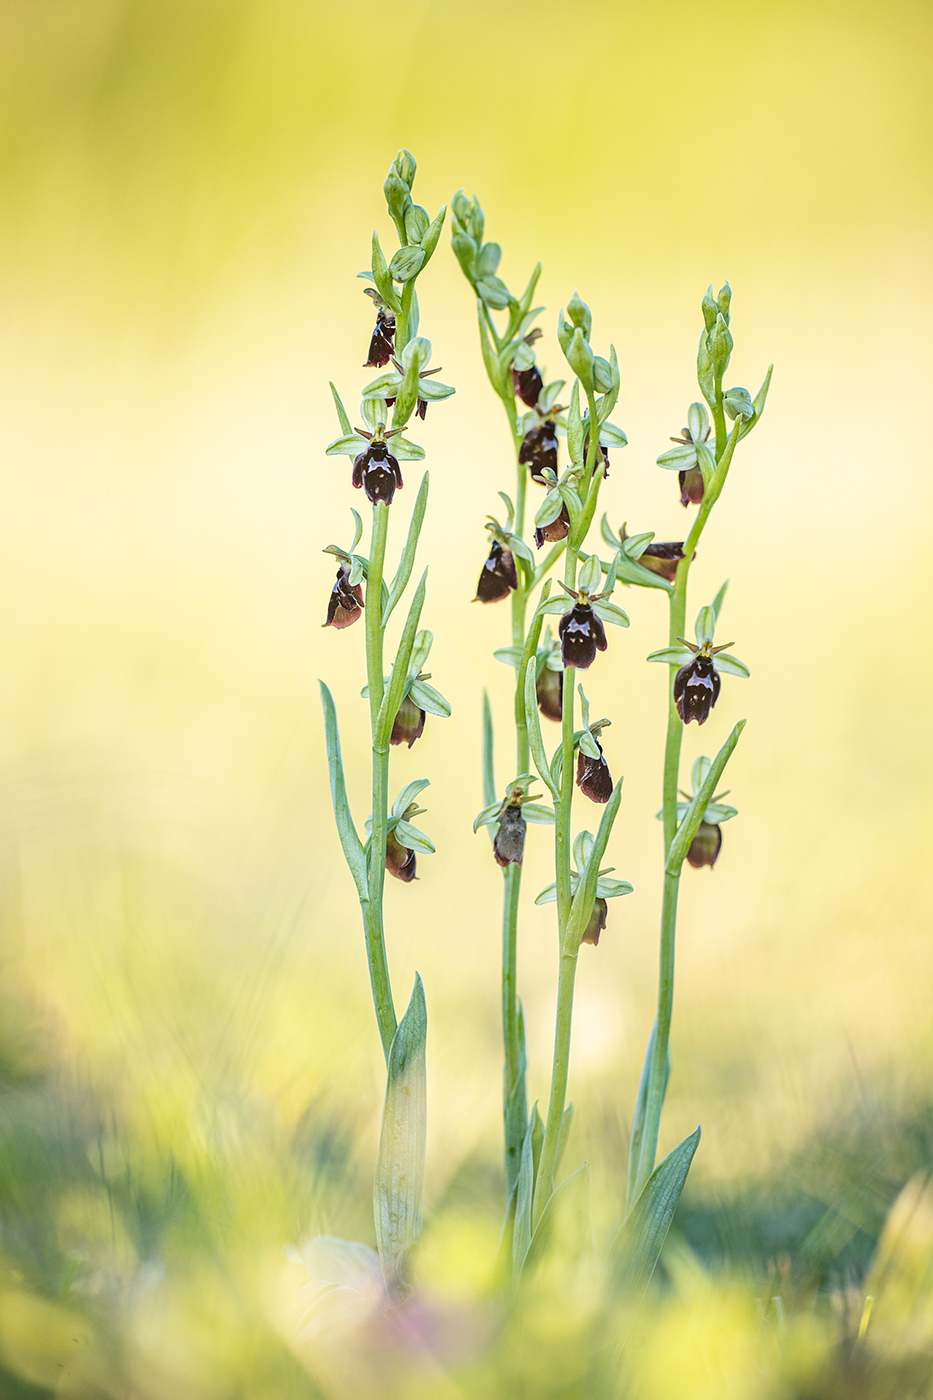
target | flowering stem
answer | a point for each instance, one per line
(569, 947)
(372, 909)
(647, 1122)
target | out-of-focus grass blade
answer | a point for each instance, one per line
(638, 1244)
(349, 840)
(570, 1202)
(525, 1190)
(398, 1191)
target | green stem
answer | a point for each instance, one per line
(372, 910)
(645, 1129)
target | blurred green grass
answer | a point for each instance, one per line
(190, 1077)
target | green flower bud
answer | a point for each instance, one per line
(580, 359)
(580, 314)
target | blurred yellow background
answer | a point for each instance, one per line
(189, 192)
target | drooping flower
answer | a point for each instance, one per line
(549, 681)
(345, 604)
(557, 529)
(409, 723)
(686, 456)
(597, 922)
(499, 576)
(593, 777)
(382, 345)
(538, 451)
(400, 861)
(527, 384)
(511, 817)
(705, 846)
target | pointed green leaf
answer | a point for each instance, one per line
(349, 840)
(398, 1190)
(489, 779)
(407, 561)
(637, 1247)
(395, 690)
(535, 742)
(567, 1212)
(345, 426)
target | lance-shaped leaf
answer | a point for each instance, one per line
(345, 425)
(433, 233)
(395, 690)
(407, 561)
(694, 815)
(641, 1107)
(637, 1247)
(535, 742)
(398, 1190)
(567, 1212)
(489, 777)
(349, 840)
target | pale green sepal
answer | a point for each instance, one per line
(398, 1190)
(349, 840)
(612, 436)
(731, 665)
(583, 849)
(416, 223)
(671, 656)
(555, 606)
(738, 403)
(697, 421)
(548, 895)
(705, 625)
(610, 613)
(678, 459)
(487, 815)
(550, 508)
(537, 812)
(630, 573)
(509, 656)
(408, 794)
(429, 240)
(350, 445)
(413, 839)
(612, 889)
(405, 451)
(637, 1247)
(429, 699)
(719, 812)
(590, 576)
(588, 744)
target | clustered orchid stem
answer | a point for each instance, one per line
(648, 1120)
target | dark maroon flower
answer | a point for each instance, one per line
(691, 487)
(345, 604)
(528, 384)
(558, 529)
(581, 634)
(400, 861)
(705, 846)
(593, 777)
(549, 689)
(696, 688)
(509, 843)
(499, 575)
(662, 559)
(538, 451)
(597, 922)
(409, 723)
(377, 472)
(382, 345)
